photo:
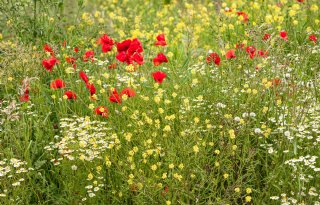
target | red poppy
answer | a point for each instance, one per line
(159, 76)
(106, 43)
(161, 41)
(102, 110)
(276, 81)
(313, 38)
(251, 50)
(114, 97)
(165, 191)
(25, 96)
(135, 46)
(124, 45)
(266, 36)
(56, 84)
(47, 48)
(88, 55)
(72, 61)
(113, 66)
(230, 54)
(76, 49)
(161, 58)
(213, 58)
(129, 51)
(283, 35)
(263, 53)
(91, 88)
(64, 43)
(70, 95)
(129, 92)
(239, 46)
(48, 64)
(244, 16)
(301, 1)
(84, 76)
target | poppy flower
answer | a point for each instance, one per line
(122, 57)
(135, 46)
(72, 61)
(301, 1)
(113, 66)
(56, 84)
(48, 64)
(76, 49)
(106, 43)
(102, 110)
(245, 17)
(88, 55)
(313, 38)
(124, 45)
(213, 58)
(114, 97)
(138, 58)
(230, 54)
(64, 43)
(263, 53)
(276, 81)
(25, 96)
(129, 92)
(251, 50)
(266, 36)
(161, 58)
(159, 76)
(165, 191)
(241, 46)
(129, 51)
(91, 88)
(161, 41)
(283, 35)
(70, 95)
(84, 76)
(48, 49)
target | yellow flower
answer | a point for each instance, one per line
(196, 149)
(90, 176)
(170, 54)
(167, 128)
(225, 175)
(91, 106)
(248, 190)
(161, 110)
(181, 166)
(171, 166)
(154, 167)
(248, 198)
(314, 7)
(237, 189)
(177, 176)
(164, 176)
(231, 134)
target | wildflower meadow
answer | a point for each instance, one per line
(170, 102)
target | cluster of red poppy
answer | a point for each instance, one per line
(159, 76)
(128, 51)
(214, 58)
